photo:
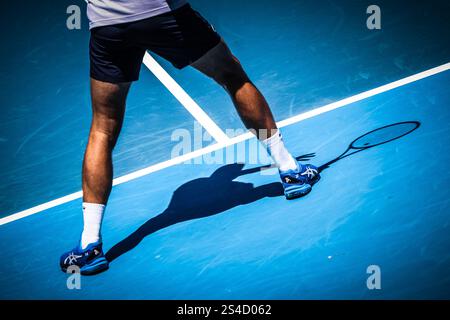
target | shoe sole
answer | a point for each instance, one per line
(295, 193)
(300, 192)
(97, 267)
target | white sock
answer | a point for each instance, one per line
(280, 155)
(92, 217)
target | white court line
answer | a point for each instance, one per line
(232, 141)
(181, 95)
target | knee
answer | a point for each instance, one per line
(232, 77)
(106, 129)
(108, 106)
(231, 81)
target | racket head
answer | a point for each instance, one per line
(384, 135)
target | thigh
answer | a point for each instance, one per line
(108, 102)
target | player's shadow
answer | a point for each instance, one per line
(212, 195)
(200, 198)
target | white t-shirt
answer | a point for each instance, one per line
(108, 12)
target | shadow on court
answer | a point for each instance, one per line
(218, 193)
(201, 198)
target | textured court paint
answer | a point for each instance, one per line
(306, 53)
(46, 110)
(187, 102)
(387, 206)
(297, 62)
(384, 206)
(228, 142)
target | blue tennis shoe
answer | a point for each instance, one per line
(90, 260)
(298, 183)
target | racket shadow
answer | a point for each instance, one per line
(204, 197)
(375, 138)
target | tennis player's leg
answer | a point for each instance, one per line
(108, 108)
(222, 66)
(114, 64)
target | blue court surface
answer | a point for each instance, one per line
(225, 231)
